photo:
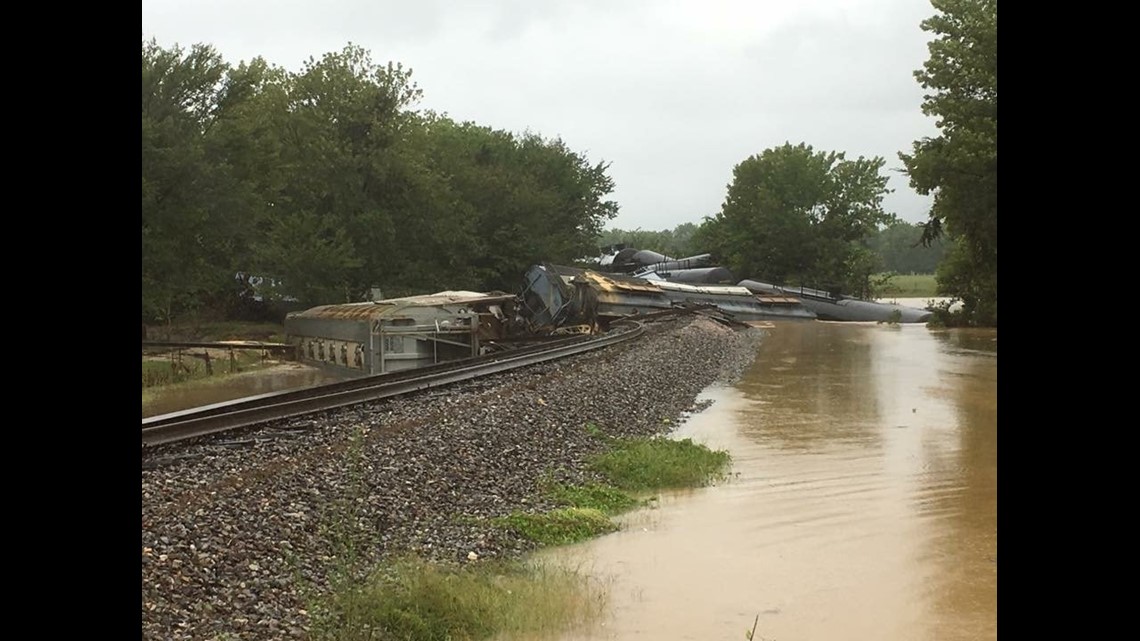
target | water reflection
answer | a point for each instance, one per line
(962, 340)
(820, 374)
(863, 504)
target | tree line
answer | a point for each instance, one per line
(321, 184)
(896, 248)
(326, 182)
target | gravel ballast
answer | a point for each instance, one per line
(240, 531)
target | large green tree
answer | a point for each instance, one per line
(195, 205)
(796, 216)
(325, 182)
(519, 198)
(902, 251)
(959, 167)
(381, 195)
(676, 242)
(346, 215)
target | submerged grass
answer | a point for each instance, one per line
(159, 371)
(560, 526)
(632, 467)
(604, 498)
(160, 377)
(645, 465)
(172, 369)
(412, 600)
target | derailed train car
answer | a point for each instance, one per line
(697, 270)
(644, 263)
(833, 307)
(401, 333)
(557, 296)
(404, 333)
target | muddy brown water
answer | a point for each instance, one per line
(862, 502)
(279, 378)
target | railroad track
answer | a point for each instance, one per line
(222, 417)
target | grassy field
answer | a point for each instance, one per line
(907, 286)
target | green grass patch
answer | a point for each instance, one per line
(559, 527)
(412, 600)
(161, 372)
(632, 466)
(604, 498)
(906, 285)
(643, 465)
(594, 430)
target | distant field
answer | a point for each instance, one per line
(909, 286)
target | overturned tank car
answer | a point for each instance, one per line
(837, 307)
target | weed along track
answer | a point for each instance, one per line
(248, 534)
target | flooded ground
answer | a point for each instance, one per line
(278, 378)
(863, 502)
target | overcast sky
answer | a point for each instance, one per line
(672, 93)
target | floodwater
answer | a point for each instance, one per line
(287, 376)
(862, 504)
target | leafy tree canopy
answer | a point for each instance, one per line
(959, 167)
(902, 251)
(676, 242)
(326, 182)
(793, 215)
(187, 240)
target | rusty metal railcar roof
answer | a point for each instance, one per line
(608, 283)
(393, 306)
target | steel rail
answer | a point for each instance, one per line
(221, 417)
(360, 382)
